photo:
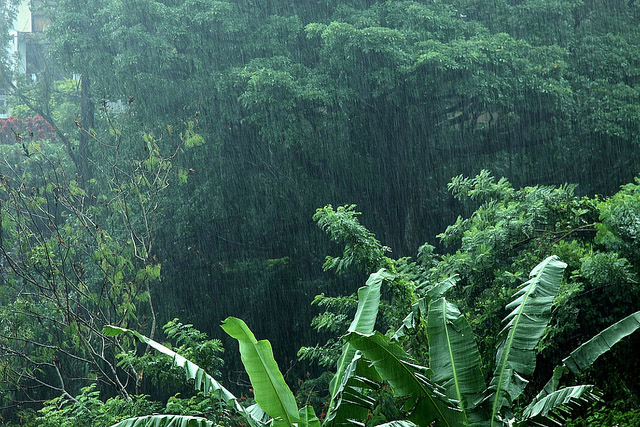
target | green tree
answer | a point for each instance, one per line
(72, 262)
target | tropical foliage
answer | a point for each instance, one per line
(451, 393)
(164, 160)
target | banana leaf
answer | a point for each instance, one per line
(398, 424)
(454, 355)
(165, 421)
(351, 403)
(552, 409)
(270, 390)
(202, 381)
(419, 308)
(308, 417)
(407, 379)
(364, 321)
(411, 320)
(584, 356)
(525, 324)
(440, 288)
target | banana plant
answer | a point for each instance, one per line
(165, 421)
(525, 324)
(455, 356)
(579, 360)
(202, 382)
(275, 404)
(368, 358)
(455, 359)
(452, 392)
(344, 404)
(270, 390)
(272, 395)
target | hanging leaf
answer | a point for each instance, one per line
(202, 381)
(364, 321)
(165, 421)
(584, 356)
(270, 390)
(454, 355)
(407, 379)
(553, 408)
(525, 324)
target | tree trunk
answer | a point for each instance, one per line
(87, 112)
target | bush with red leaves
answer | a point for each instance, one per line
(36, 128)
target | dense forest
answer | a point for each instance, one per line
(428, 212)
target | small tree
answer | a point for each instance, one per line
(73, 260)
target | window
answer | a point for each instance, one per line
(4, 108)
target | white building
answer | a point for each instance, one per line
(4, 110)
(26, 29)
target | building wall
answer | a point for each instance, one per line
(23, 22)
(4, 110)
(21, 29)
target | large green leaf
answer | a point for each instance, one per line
(411, 320)
(364, 321)
(352, 404)
(308, 417)
(398, 424)
(584, 356)
(440, 288)
(202, 381)
(165, 421)
(525, 324)
(407, 379)
(270, 390)
(419, 308)
(368, 302)
(551, 409)
(454, 356)
(552, 384)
